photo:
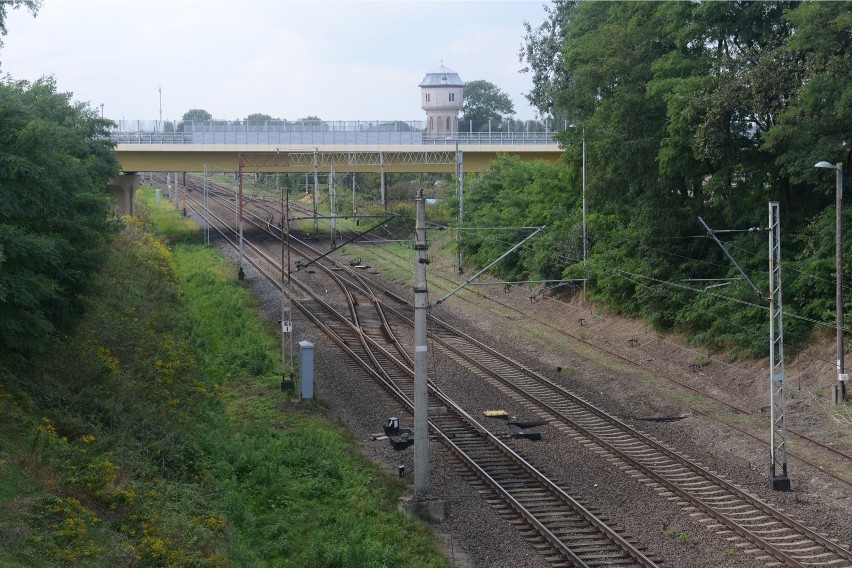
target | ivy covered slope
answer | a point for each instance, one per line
(154, 434)
(687, 110)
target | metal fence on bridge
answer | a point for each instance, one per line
(314, 132)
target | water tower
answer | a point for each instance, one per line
(442, 97)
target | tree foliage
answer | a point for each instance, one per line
(196, 115)
(685, 109)
(31, 5)
(259, 117)
(484, 102)
(55, 160)
(192, 115)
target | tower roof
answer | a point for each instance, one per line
(442, 77)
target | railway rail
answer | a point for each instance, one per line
(826, 449)
(781, 539)
(575, 535)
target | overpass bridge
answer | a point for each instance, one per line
(318, 147)
(307, 146)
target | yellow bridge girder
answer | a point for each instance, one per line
(300, 159)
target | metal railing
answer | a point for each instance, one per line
(488, 138)
(151, 137)
(314, 132)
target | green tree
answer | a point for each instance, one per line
(696, 108)
(310, 124)
(196, 115)
(484, 101)
(259, 117)
(542, 53)
(193, 115)
(55, 159)
(814, 125)
(31, 5)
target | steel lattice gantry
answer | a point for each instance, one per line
(344, 161)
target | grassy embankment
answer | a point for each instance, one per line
(155, 435)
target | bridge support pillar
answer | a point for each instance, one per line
(123, 188)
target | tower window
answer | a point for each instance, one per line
(448, 124)
(452, 97)
(427, 97)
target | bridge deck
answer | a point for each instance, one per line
(435, 157)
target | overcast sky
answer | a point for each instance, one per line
(335, 59)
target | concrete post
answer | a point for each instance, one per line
(421, 407)
(123, 188)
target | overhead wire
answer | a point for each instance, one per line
(829, 325)
(728, 298)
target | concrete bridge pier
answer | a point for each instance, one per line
(123, 188)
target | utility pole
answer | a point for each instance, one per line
(839, 389)
(354, 204)
(332, 197)
(286, 321)
(382, 179)
(460, 187)
(316, 191)
(421, 407)
(206, 206)
(778, 479)
(777, 426)
(585, 212)
(241, 275)
(838, 261)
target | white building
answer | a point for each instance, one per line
(442, 97)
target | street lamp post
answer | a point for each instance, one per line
(102, 110)
(840, 386)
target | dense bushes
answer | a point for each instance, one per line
(684, 110)
(54, 211)
(156, 435)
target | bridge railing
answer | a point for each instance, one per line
(315, 132)
(490, 138)
(151, 137)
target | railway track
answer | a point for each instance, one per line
(444, 285)
(726, 507)
(574, 534)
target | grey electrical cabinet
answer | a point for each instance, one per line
(306, 370)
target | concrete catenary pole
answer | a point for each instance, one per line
(382, 180)
(286, 318)
(421, 407)
(241, 273)
(354, 203)
(316, 190)
(332, 198)
(838, 261)
(460, 189)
